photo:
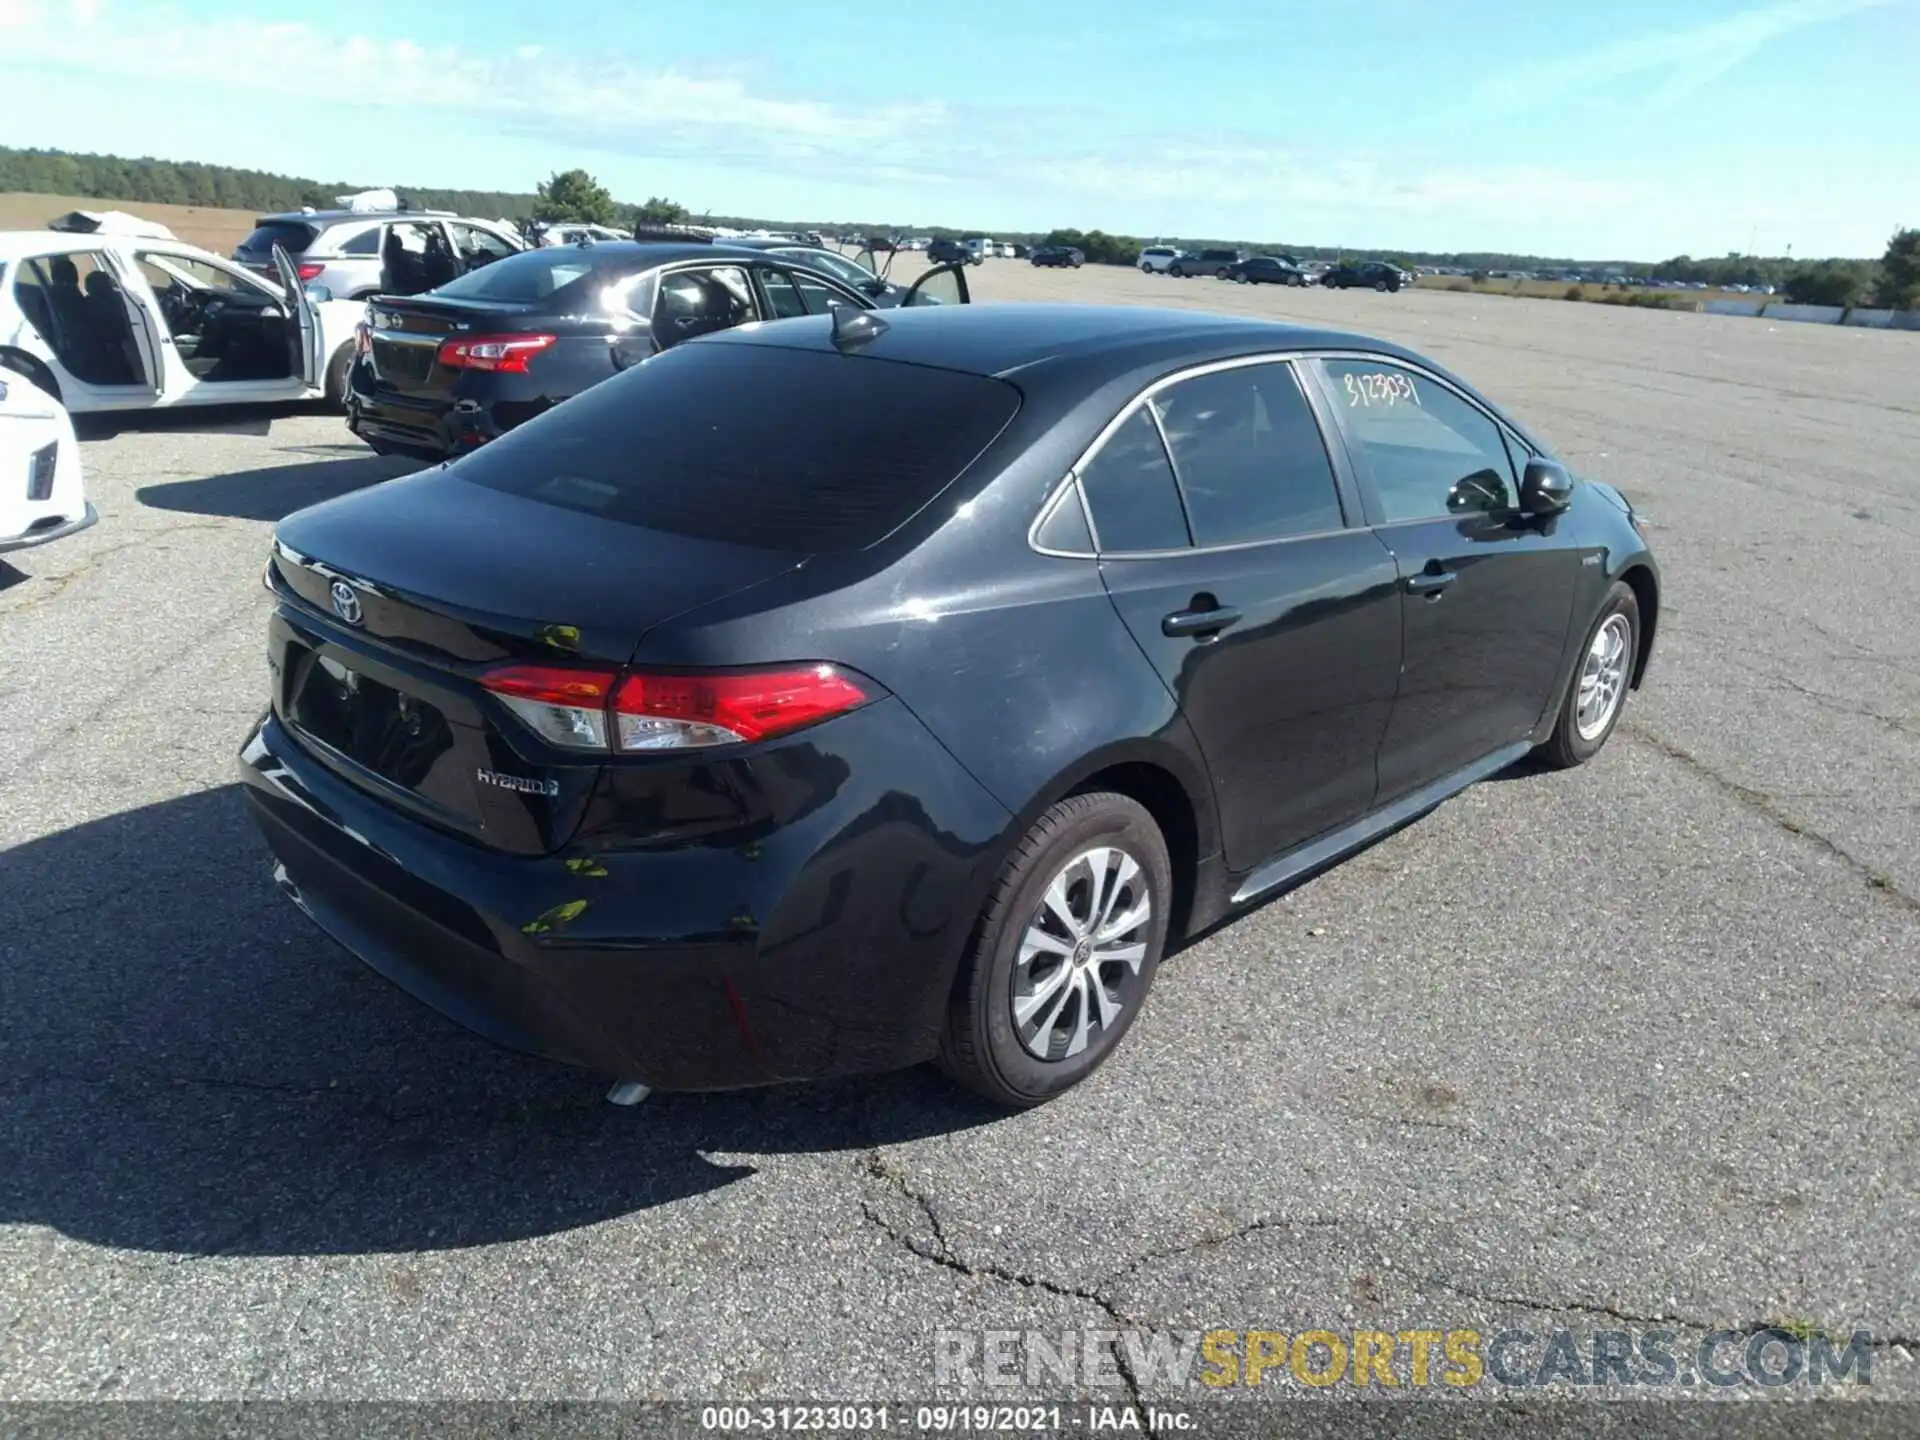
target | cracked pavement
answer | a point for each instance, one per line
(1634, 1045)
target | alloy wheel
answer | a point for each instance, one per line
(1603, 677)
(1080, 955)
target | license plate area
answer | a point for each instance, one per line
(397, 736)
(403, 361)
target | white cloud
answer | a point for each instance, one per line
(958, 164)
(1677, 62)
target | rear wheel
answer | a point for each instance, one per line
(1599, 690)
(1064, 952)
(337, 368)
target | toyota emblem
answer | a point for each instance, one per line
(346, 604)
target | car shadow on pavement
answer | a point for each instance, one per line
(275, 491)
(188, 1066)
(194, 420)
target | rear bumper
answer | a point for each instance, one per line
(826, 947)
(30, 538)
(481, 408)
(420, 427)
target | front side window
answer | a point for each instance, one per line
(1428, 452)
(782, 294)
(1249, 456)
(1131, 489)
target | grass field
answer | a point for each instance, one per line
(1557, 290)
(215, 230)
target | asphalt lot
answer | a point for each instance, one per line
(1633, 1044)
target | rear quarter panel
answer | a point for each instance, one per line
(1017, 662)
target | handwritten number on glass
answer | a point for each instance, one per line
(1380, 388)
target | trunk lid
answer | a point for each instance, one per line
(406, 336)
(397, 599)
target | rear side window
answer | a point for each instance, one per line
(1249, 455)
(792, 450)
(1132, 492)
(543, 274)
(291, 236)
(367, 242)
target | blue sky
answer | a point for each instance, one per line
(1618, 130)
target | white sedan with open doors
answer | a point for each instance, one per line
(117, 322)
(42, 496)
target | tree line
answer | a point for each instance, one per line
(1892, 281)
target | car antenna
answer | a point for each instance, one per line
(853, 328)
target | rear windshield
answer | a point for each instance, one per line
(290, 235)
(794, 450)
(543, 274)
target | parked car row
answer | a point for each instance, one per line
(1225, 264)
(443, 373)
(106, 320)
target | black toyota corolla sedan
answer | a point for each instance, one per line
(834, 695)
(442, 373)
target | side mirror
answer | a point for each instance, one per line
(319, 294)
(1546, 488)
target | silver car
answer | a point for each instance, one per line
(357, 253)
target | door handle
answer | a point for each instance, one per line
(1199, 623)
(1430, 583)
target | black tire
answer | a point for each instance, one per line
(31, 370)
(1241, 278)
(1176, 272)
(981, 1047)
(1381, 286)
(336, 384)
(1566, 746)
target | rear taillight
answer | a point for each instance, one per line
(565, 707)
(309, 272)
(650, 713)
(684, 712)
(506, 354)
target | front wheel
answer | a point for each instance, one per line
(1599, 690)
(1063, 954)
